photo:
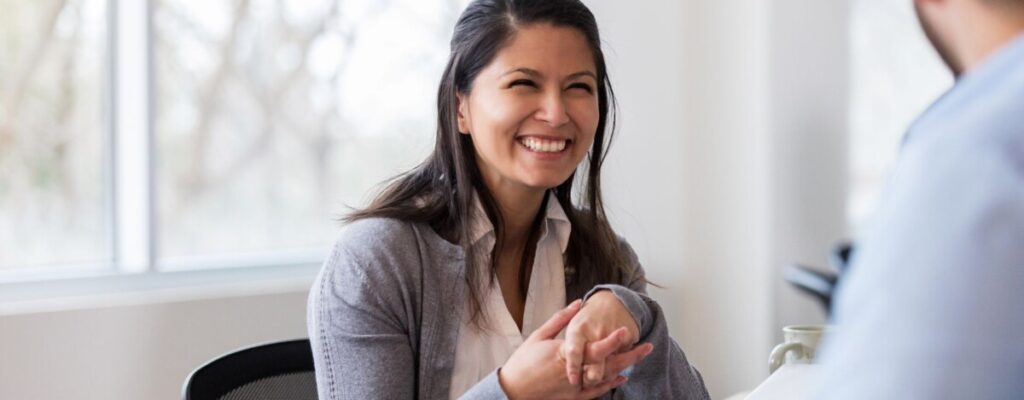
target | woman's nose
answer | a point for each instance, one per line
(552, 110)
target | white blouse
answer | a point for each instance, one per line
(480, 352)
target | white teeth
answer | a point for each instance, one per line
(544, 146)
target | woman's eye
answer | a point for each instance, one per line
(583, 86)
(523, 82)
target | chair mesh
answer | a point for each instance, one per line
(294, 386)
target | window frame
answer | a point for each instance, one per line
(132, 164)
(133, 271)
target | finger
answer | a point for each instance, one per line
(618, 362)
(601, 349)
(556, 323)
(603, 388)
(572, 349)
(593, 374)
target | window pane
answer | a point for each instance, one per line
(53, 140)
(272, 116)
(895, 75)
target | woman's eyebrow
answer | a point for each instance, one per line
(581, 74)
(527, 71)
(537, 74)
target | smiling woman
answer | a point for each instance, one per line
(531, 126)
(454, 282)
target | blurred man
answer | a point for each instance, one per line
(933, 305)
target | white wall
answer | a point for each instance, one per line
(141, 351)
(692, 170)
(809, 108)
(730, 162)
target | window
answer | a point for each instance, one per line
(54, 142)
(241, 129)
(895, 75)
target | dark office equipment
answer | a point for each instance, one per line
(282, 370)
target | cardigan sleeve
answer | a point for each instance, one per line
(487, 389)
(665, 373)
(360, 339)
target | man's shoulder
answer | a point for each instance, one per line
(983, 116)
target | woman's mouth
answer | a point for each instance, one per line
(544, 145)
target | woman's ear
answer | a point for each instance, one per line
(462, 110)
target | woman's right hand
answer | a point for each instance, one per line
(536, 370)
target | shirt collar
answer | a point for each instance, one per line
(986, 76)
(555, 220)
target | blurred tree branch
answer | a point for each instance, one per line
(24, 71)
(209, 99)
(270, 100)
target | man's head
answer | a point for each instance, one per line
(964, 32)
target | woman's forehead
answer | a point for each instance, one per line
(544, 51)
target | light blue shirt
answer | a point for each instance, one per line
(933, 304)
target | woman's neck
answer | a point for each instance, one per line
(518, 210)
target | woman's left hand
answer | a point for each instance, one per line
(601, 315)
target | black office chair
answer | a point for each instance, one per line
(281, 370)
(817, 283)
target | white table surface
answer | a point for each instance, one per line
(790, 382)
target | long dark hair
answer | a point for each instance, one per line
(439, 192)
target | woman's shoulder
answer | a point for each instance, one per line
(374, 264)
(623, 245)
(373, 228)
(632, 267)
(374, 253)
(377, 236)
(398, 240)
(626, 249)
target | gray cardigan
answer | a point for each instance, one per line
(384, 317)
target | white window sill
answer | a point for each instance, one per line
(115, 290)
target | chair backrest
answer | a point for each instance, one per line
(281, 370)
(821, 284)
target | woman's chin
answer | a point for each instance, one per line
(545, 182)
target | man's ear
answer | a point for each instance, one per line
(462, 109)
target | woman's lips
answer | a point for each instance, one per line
(544, 144)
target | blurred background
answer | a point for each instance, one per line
(171, 171)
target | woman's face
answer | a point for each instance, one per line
(533, 111)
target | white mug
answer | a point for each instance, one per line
(801, 342)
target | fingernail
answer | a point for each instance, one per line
(621, 381)
(575, 304)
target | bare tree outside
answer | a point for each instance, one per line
(272, 116)
(53, 147)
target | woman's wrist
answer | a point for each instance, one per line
(507, 386)
(607, 298)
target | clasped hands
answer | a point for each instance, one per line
(600, 342)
